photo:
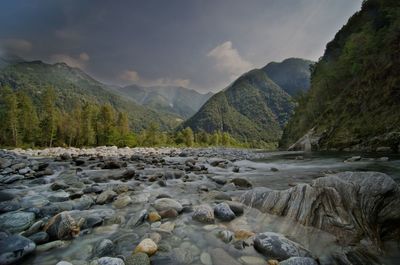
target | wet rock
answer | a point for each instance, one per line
(9, 206)
(122, 201)
(241, 182)
(109, 261)
(64, 263)
(236, 207)
(171, 213)
(113, 164)
(223, 212)
(166, 227)
(299, 261)
(65, 156)
(221, 257)
(205, 258)
(146, 246)
(353, 159)
(251, 260)
(276, 246)
(15, 222)
(4, 162)
(166, 204)
(11, 179)
(228, 187)
(243, 234)
(156, 237)
(58, 186)
(62, 226)
(219, 180)
(154, 217)
(274, 169)
(59, 196)
(222, 196)
(138, 259)
(51, 245)
(203, 214)
(93, 189)
(344, 204)
(103, 248)
(6, 196)
(15, 247)
(106, 197)
(182, 256)
(39, 238)
(226, 236)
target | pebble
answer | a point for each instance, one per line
(138, 259)
(203, 213)
(166, 204)
(205, 258)
(147, 246)
(223, 212)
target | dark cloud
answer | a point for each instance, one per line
(200, 43)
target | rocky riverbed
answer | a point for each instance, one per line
(110, 206)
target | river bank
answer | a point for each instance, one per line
(195, 206)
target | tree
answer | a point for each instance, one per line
(49, 122)
(28, 119)
(107, 133)
(11, 116)
(87, 125)
(188, 136)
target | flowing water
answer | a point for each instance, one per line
(189, 240)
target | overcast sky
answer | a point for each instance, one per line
(201, 44)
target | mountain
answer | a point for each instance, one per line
(354, 99)
(252, 108)
(7, 59)
(73, 86)
(180, 101)
(292, 75)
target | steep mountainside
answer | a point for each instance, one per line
(292, 75)
(73, 86)
(354, 100)
(176, 100)
(253, 108)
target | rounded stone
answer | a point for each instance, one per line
(146, 246)
(15, 222)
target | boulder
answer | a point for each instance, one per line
(276, 246)
(15, 247)
(349, 205)
(15, 222)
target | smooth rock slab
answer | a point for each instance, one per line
(13, 248)
(15, 222)
(276, 246)
(349, 205)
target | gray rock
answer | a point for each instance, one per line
(182, 256)
(6, 196)
(138, 259)
(203, 213)
(166, 203)
(299, 261)
(223, 212)
(40, 238)
(103, 248)
(276, 246)
(110, 261)
(15, 222)
(349, 205)
(241, 182)
(59, 196)
(236, 207)
(106, 197)
(13, 248)
(9, 206)
(10, 179)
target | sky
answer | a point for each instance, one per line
(200, 44)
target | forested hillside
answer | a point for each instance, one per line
(354, 100)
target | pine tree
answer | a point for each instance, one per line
(107, 133)
(87, 124)
(49, 115)
(188, 136)
(11, 116)
(28, 119)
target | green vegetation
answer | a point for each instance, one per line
(354, 98)
(45, 125)
(253, 109)
(72, 87)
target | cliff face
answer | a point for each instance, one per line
(354, 99)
